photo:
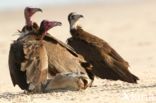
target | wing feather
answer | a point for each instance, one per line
(16, 56)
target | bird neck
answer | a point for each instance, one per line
(42, 32)
(73, 25)
(28, 21)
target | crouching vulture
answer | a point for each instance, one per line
(107, 63)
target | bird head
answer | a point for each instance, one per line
(73, 18)
(46, 25)
(28, 11)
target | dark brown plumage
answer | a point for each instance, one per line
(16, 57)
(107, 63)
(62, 58)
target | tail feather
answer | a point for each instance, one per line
(124, 73)
(115, 71)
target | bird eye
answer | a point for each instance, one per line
(72, 17)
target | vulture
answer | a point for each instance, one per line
(107, 63)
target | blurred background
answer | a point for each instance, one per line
(129, 26)
(9, 4)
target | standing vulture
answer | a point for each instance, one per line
(16, 53)
(107, 63)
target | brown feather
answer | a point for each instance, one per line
(36, 62)
(62, 58)
(107, 63)
(21, 61)
(52, 39)
(16, 57)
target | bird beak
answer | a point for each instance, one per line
(37, 9)
(81, 16)
(55, 23)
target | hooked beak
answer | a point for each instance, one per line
(55, 23)
(37, 9)
(81, 16)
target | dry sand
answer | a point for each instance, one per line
(129, 28)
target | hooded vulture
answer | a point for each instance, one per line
(107, 63)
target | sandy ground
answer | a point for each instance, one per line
(129, 28)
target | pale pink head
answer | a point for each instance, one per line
(46, 25)
(29, 12)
